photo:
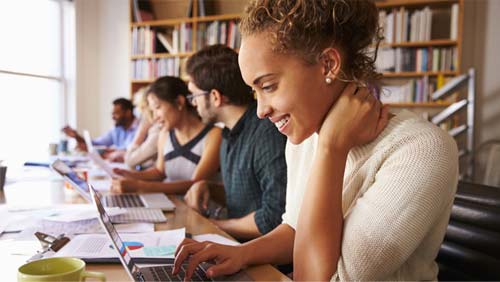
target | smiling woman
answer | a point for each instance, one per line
(369, 193)
(188, 150)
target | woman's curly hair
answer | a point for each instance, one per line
(307, 27)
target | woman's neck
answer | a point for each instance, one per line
(188, 127)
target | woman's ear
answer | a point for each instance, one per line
(331, 61)
(181, 102)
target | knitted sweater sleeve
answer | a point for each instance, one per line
(412, 189)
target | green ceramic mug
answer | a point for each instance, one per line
(56, 269)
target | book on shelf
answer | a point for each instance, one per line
(416, 59)
(454, 22)
(143, 41)
(401, 25)
(142, 10)
(218, 32)
(167, 42)
(201, 8)
(150, 69)
(412, 91)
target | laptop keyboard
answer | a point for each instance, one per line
(164, 273)
(124, 201)
(140, 215)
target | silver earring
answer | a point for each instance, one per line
(328, 80)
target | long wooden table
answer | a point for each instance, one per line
(55, 193)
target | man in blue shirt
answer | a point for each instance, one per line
(252, 153)
(118, 138)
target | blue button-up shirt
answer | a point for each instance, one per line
(118, 137)
(253, 169)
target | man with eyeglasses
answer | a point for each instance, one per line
(252, 152)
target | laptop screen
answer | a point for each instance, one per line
(65, 171)
(88, 141)
(111, 231)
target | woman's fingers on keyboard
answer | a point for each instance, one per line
(184, 251)
(205, 254)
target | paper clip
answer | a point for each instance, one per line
(49, 243)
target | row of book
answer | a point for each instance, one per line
(218, 32)
(154, 68)
(148, 41)
(417, 59)
(401, 25)
(413, 91)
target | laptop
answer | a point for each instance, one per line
(88, 140)
(140, 207)
(151, 273)
(94, 155)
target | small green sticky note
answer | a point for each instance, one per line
(159, 251)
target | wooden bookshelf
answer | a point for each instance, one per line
(170, 16)
(174, 22)
(230, 10)
(430, 43)
(161, 55)
(439, 39)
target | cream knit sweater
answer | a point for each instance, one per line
(397, 197)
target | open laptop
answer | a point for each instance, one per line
(151, 273)
(140, 207)
(94, 155)
(88, 140)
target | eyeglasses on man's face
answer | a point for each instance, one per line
(191, 97)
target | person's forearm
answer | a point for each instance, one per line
(241, 228)
(217, 192)
(150, 174)
(276, 247)
(176, 187)
(319, 228)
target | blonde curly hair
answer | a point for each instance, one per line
(307, 27)
(141, 102)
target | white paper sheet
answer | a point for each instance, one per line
(216, 239)
(90, 226)
(81, 212)
(161, 244)
(101, 185)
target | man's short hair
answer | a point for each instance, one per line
(126, 104)
(216, 67)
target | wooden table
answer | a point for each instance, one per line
(54, 193)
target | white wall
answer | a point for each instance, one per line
(102, 67)
(481, 43)
(481, 51)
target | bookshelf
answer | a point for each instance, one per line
(186, 25)
(422, 50)
(443, 36)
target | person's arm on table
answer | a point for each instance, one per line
(137, 154)
(206, 168)
(199, 194)
(70, 132)
(276, 247)
(104, 140)
(241, 228)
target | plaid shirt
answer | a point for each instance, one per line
(254, 170)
